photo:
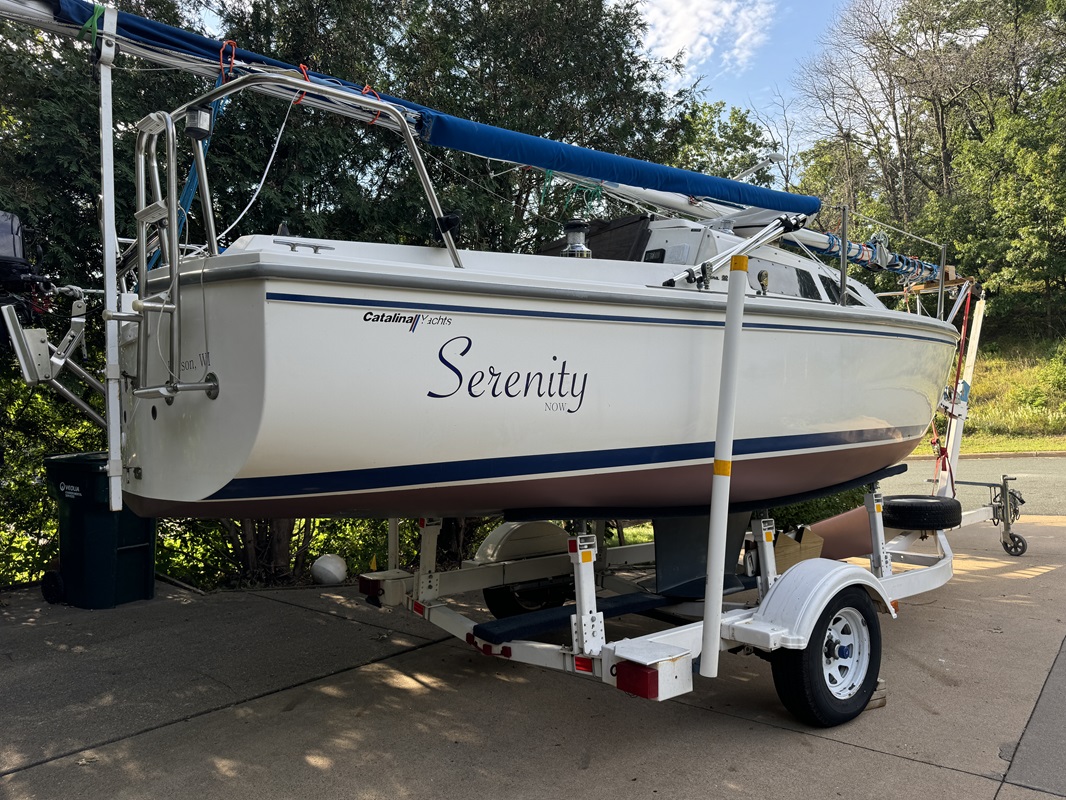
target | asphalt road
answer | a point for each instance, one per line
(1040, 479)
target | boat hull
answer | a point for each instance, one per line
(380, 383)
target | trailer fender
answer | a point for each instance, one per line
(798, 597)
(514, 540)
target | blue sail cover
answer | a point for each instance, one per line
(476, 138)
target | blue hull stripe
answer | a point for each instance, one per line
(447, 472)
(441, 308)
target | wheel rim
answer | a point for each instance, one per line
(845, 653)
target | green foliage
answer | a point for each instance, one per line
(49, 161)
(1020, 390)
(205, 553)
(32, 425)
(212, 554)
(581, 76)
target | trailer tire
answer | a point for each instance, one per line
(916, 512)
(832, 680)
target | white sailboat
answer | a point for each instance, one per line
(380, 380)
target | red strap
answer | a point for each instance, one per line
(298, 100)
(962, 347)
(942, 461)
(232, 57)
(368, 90)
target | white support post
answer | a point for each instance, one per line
(880, 558)
(586, 625)
(109, 235)
(764, 541)
(958, 409)
(428, 582)
(394, 543)
(723, 465)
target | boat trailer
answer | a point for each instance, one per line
(816, 623)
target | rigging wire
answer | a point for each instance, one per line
(426, 154)
(266, 171)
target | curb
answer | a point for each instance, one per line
(1022, 454)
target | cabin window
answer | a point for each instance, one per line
(832, 289)
(807, 287)
(783, 279)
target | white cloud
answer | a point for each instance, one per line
(716, 35)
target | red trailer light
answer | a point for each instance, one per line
(637, 679)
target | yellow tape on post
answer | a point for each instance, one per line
(738, 264)
(723, 467)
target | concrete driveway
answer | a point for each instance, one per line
(311, 693)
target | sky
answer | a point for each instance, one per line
(743, 48)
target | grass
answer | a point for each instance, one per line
(1018, 398)
(981, 442)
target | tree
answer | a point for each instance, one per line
(582, 77)
(717, 143)
(940, 117)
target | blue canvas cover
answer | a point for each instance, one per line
(476, 138)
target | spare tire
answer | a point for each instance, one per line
(916, 512)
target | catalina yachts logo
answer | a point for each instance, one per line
(411, 320)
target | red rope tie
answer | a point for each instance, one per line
(368, 90)
(943, 461)
(298, 100)
(232, 57)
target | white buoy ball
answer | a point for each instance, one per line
(329, 569)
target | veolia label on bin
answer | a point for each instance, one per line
(70, 490)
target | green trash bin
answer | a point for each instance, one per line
(106, 557)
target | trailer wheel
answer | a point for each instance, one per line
(834, 677)
(1017, 545)
(510, 601)
(917, 512)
